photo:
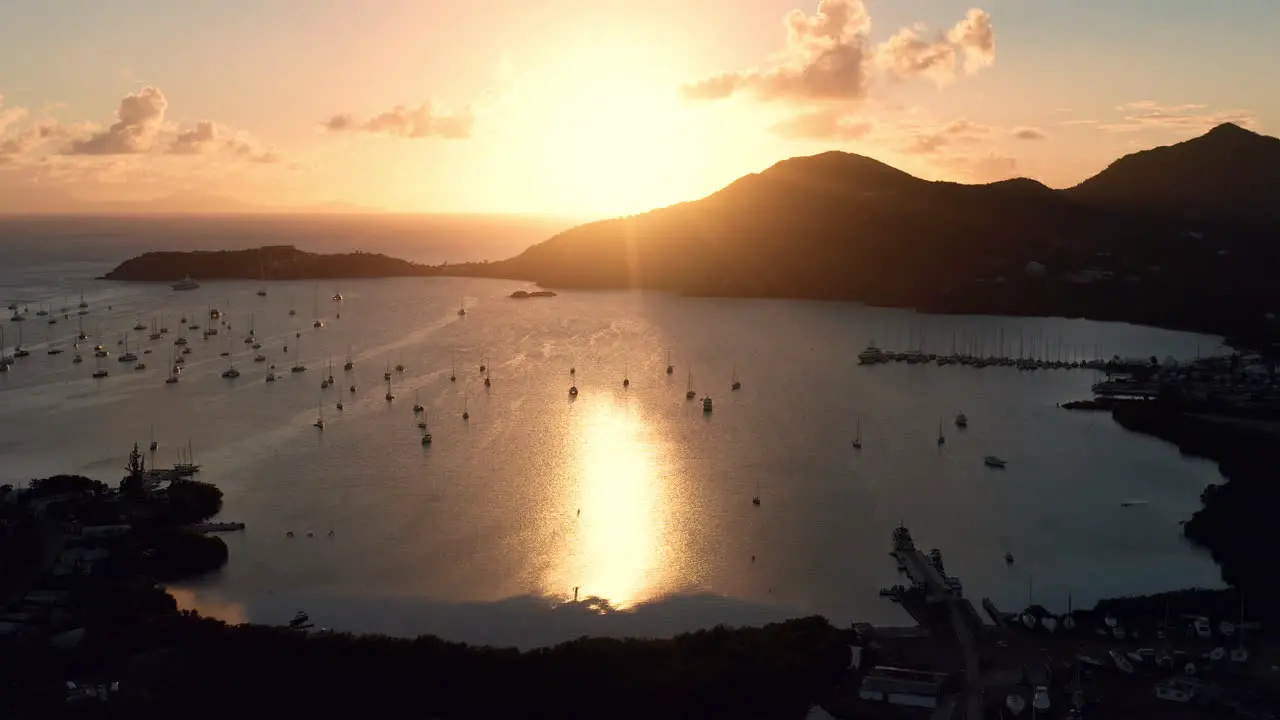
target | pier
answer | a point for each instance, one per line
(216, 527)
(943, 610)
(873, 355)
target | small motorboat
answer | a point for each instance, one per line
(426, 439)
(962, 421)
(1008, 558)
(271, 377)
(992, 461)
(301, 618)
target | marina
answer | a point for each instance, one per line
(646, 468)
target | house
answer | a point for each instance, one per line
(899, 686)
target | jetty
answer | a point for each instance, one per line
(210, 527)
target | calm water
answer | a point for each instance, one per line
(479, 537)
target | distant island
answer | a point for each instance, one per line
(1179, 236)
(279, 262)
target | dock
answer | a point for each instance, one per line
(216, 527)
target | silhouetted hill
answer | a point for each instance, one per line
(281, 262)
(841, 226)
(1228, 174)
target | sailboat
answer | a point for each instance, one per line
(422, 425)
(231, 372)
(83, 304)
(349, 365)
(297, 366)
(248, 339)
(390, 396)
(319, 423)
(626, 381)
(417, 406)
(857, 435)
(941, 438)
(573, 386)
(100, 372)
(331, 380)
(453, 368)
(154, 444)
(80, 329)
(400, 364)
(755, 499)
(486, 377)
(734, 384)
(689, 394)
(127, 356)
(466, 415)
(337, 296)
(462, 310)
(173, 370)
(315, 310)
(670, 368)
(262, 278)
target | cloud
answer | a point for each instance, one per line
(420, 122)
(828, 56)
(823, 124)
(10, 116)
(929, 141)
(988, 167)
(1029, 133)
(141, 129)
(208, 137)
(907, 53)
(1187, 118)
(139, 119)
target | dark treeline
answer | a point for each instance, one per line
(199, 668)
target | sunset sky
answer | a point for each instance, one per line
(600, 107)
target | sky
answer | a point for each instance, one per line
(603, 107)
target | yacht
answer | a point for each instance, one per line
(180, 341)
(992, 461)
(259, 358)
(139, 366)
(231, 373)
(706, 404)
(872, 355)
(17, 317)
(426, 438)
(185, 283)
(140, 326)
(77, 359)
(962, 421)
(299, 620)
(215, 313)
(100, 373)
(337, 297)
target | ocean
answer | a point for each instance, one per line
(631, 496)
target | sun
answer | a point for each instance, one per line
(611, 134)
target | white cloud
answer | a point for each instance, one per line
(420, 122)
(829, 56)
(1186, 118)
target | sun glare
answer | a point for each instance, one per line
(616, 552)
(612, 133)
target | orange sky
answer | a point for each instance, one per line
(569, 106)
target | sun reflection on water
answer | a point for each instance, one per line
(617, 550)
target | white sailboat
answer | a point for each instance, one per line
(315, 310)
